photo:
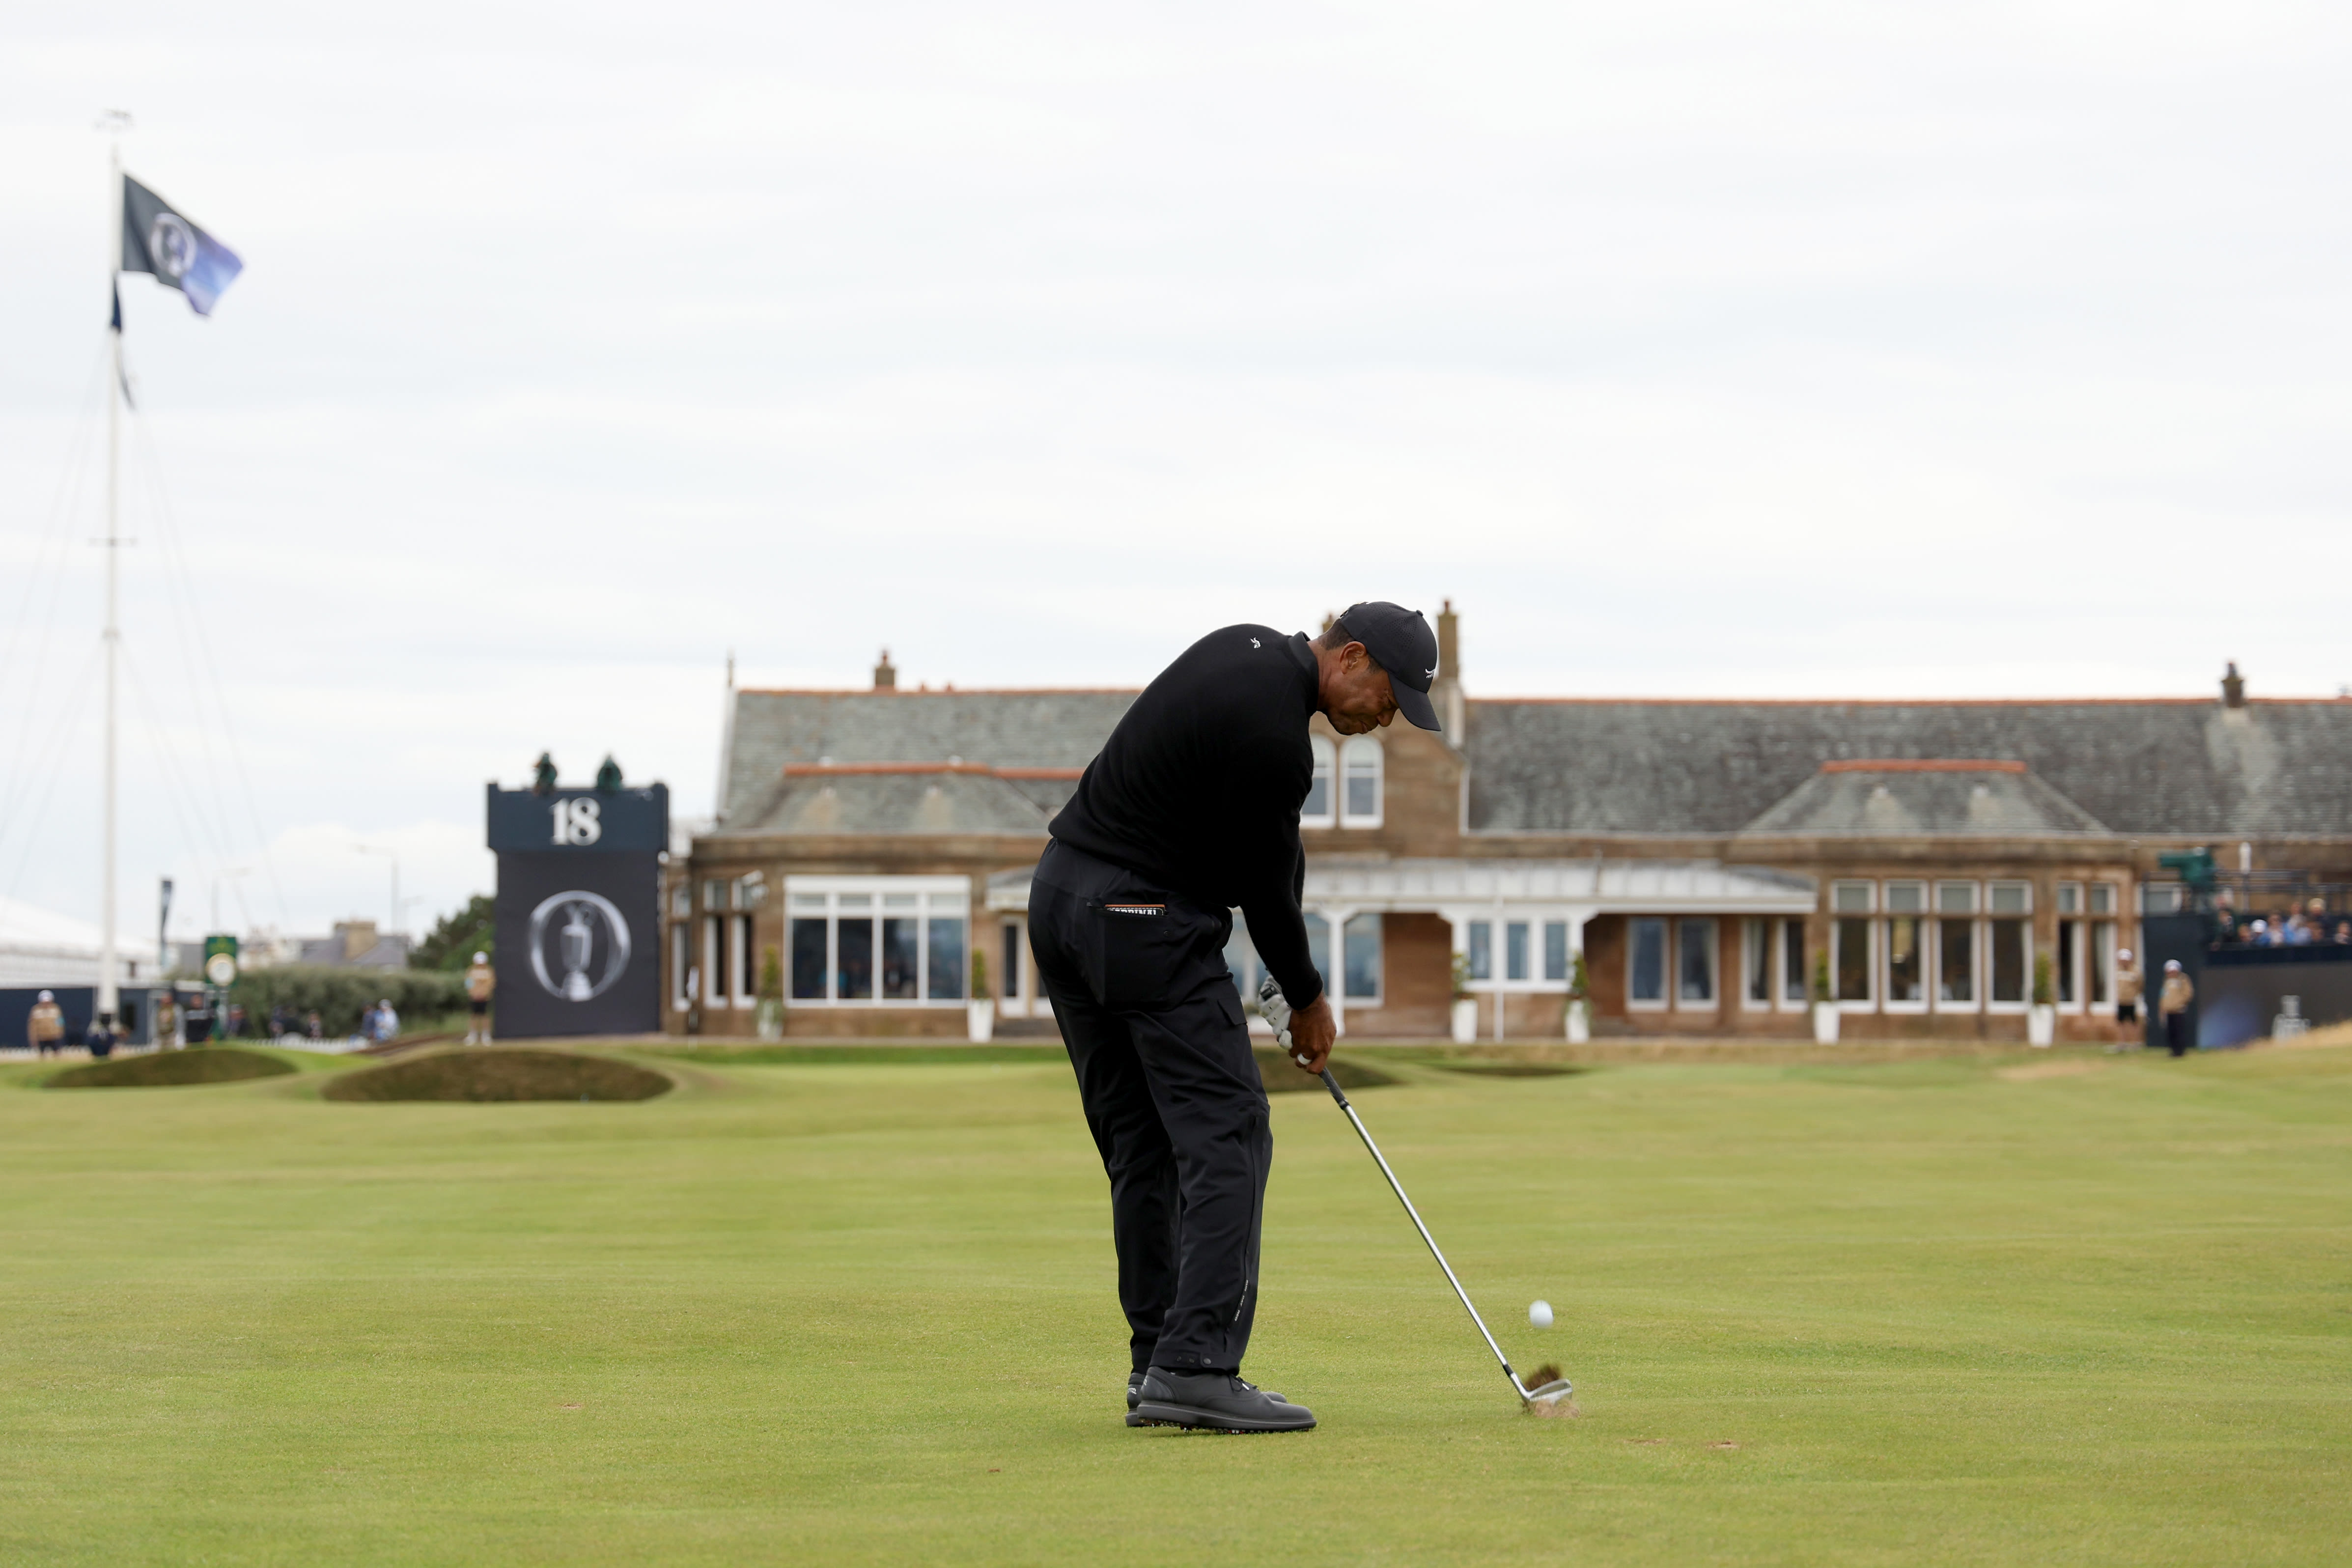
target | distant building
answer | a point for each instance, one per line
(1709, 859)
(352, 944)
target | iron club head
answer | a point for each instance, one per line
(1551, 1392)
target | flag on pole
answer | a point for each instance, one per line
(158, 240)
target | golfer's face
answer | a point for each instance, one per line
(1363, 701)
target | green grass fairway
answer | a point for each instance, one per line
(2072, 1310)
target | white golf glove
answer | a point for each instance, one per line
(1275, 1008)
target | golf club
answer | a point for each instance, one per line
(1276, 1012)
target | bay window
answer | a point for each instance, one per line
(877, 941)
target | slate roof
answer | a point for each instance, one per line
(2182, 767)
(965, 799)
(2002, 799)
(2156, 767)
(1059, 729)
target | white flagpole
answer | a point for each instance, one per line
(108, 998)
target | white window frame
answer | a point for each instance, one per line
(1883, 953)
(1327, 768)
(714, 932)
(1380, 971)
(2079, 939)
(1783, 927)
(1535, 918)
(1870, 945)
(1355, 751)
(1666, 965)
(1979, 947)
(740, 935)
(1675, 926)
(942, 897)
(1011, 986)
(681, 958)
(1772, 928)
(1984, 946)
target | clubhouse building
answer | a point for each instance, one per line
(1711, 865)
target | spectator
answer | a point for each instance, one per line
(2259, 933)
(313, 1025)
(2173, 1003)
(387, 1022)
(2128, 982)
(166, 1021)
(2344, 933)
(235, 1018)
(44, 1025)
(2299, 933)
(480, 981)
(99, 1037)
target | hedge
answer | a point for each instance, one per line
(340, 994)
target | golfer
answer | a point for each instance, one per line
(1190, 809)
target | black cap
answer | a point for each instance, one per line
(1403, 644)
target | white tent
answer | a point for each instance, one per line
(38, 947)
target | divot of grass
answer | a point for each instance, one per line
(501, 1075)
(166, 1069)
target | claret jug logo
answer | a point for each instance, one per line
(172, 244)
(578, 945)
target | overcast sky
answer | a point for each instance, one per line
(1688, 348)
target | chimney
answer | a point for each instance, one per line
(1447, 689)
(885, 679)
(358, 938)
(2233, 687)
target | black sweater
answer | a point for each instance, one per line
(1199, 789)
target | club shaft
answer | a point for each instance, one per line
(1415, 1214)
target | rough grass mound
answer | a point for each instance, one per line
(204, 1064)
(483, 1075)
(1281, 1077)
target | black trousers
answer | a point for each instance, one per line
(1154, 1028)
(2176, 1033)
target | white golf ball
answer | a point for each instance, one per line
(1540, 1314)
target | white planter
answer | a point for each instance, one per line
(770, 1019)
(2041, 1023)
(1465, 1020)
(1825, 1022)
(982, 1016)
(1579, 1022)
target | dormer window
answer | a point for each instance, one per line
(1360, 776)
(1317, 810)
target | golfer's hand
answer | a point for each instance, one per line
(1312, 1034)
